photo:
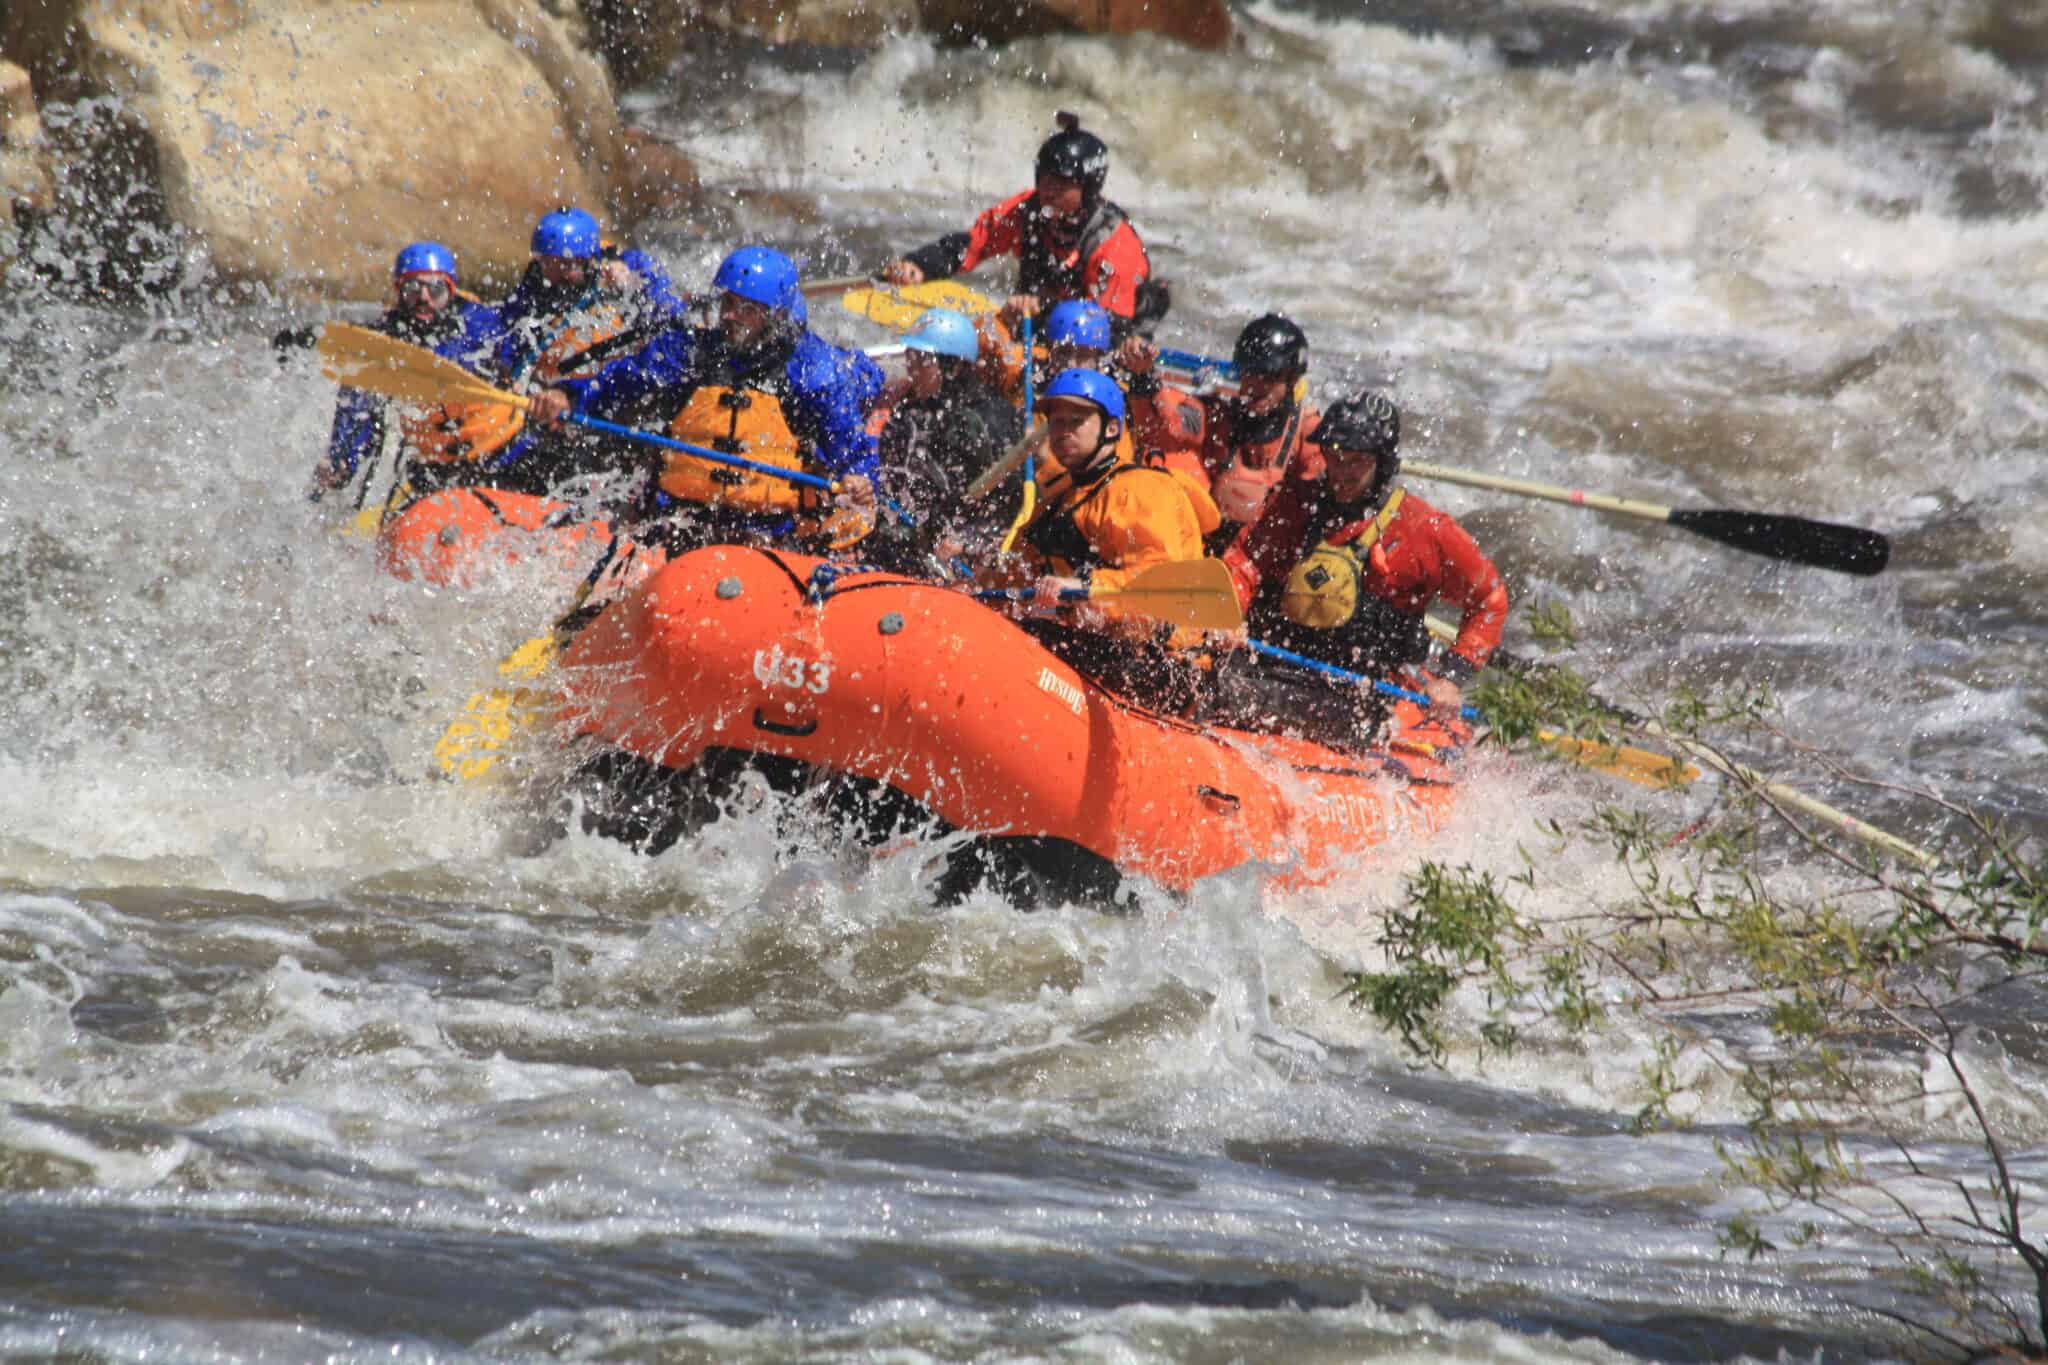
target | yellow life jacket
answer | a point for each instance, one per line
(456, 433)
(747, 422)
(1324, 590)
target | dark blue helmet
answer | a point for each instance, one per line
(1075, 154)
(424, 258)
(1089, 386)
(763, 275)
(1078, 322)
(568, 234)
(1271, 344)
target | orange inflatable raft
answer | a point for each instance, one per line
(929, 704)
(458, 537)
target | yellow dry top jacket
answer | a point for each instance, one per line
(1115, 526)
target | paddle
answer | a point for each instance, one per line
(1777, 792)
(471, 745)
(1642, 766)
(898, 307)
(819, 289)
(363, 359)
(1021, 450)
(1028, 503)
(1197, 593)
(1820, 544)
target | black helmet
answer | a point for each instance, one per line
(1370, 424)
(1074, 154)
(1270, 345)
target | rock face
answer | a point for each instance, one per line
(302, 141)
(24, 180)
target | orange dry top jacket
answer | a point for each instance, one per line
(1242, 474)
(1107, 263)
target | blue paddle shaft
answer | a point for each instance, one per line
(1346, 675)
(1188, 360)
(701, 452)
(1028, 594)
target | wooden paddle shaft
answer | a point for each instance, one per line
(1848, 824)
(1011, 458)
(1648, 511)
(820, 289)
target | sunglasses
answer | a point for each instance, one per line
(433, 288)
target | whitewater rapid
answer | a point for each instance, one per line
(296, 1060)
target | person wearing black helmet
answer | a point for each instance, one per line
(1243, 445)
(1069, 241)
(1342, 567)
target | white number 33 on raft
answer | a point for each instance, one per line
(776, 669)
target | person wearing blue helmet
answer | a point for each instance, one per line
(581, 298)
(578, 298)
(758, 381)
(1101, 518)
(427, 310)
(1077, 334)
(947, 426)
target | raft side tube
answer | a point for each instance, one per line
(924, 690)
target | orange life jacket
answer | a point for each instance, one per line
(1253, 471)
(580, 331)
(452, 433)
(457, 433)
(1186, 466)
(736, 421)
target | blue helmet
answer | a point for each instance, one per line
(944, 331)
(1078, 322)
(765, 276)
(424, 258)
(1090, 386)
(569, 234)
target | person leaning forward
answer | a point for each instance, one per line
(1241, 446)
(1099, 521)
(759, 384)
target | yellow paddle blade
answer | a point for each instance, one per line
(365, 524)
(1197, 593)
(363, 359)
(898, 307)
(495, 720)
(1644, 767)
(1025, 508)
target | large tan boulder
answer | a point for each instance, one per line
(24, 179)
(302, 141)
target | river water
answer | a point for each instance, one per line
(297, 1061)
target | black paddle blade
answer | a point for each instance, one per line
(1822, 544)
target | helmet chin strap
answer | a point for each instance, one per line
(1103, 456)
